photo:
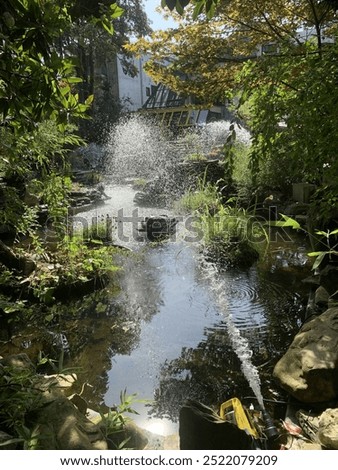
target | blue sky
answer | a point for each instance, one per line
(157, 20)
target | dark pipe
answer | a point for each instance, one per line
(270, 429)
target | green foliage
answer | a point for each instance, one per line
(19, 398)
(233, 222)
(294, 119)
(289, 91)
(33, 164)
(200, 6)
(35, 82)
(39, 100)
(330, 252)
(205, 198)
(113, 423)
(231, 233)
(324, 205)
(241, 174)
(327, 239)
(56, 365)
(233, 236)
(195, 157)
(55, 194)
(287, 222)
(74, 262)
(96, 49)
(8, 306)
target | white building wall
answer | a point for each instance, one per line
(133, 90)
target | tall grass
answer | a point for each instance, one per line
(204, 199)
(229, 230)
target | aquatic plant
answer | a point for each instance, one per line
(325, 238)
(231, 232)
(204, 199)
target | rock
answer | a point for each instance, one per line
(309, 369)
(158, 442)
(333, 300)
(328, 429)
(130, 435)
(56, 422)
(80, 404)
(299, 444)
(158, 228)
(137, 439)
(329, 278)
(321, 297)
(18, 361)
(61, 381)
(297, 208)
(62, 427)
(201, 428)
(9, 258)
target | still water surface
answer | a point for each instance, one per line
(165, 337)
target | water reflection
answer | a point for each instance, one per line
(163, 336)
(184, 350)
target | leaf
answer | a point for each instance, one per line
(171, 4)
(89, 100)
(287, 222)
(11, 441)
(74, 80)
(320, 232)
(96, 242)
(211, 10)
(64, 90)
(318, 261)
(107, 26)
(198, 10)
(116, 10)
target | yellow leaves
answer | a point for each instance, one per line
(206, 55)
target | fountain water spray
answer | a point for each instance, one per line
(239, 343)
(137, 148)
(240, 346)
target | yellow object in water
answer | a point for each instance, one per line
(233, 411)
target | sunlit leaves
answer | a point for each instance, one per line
(286, 222)
(107, 15)
(33, 76)
(188, 60)
(205, 55)
(175, 4)
(200, 6)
